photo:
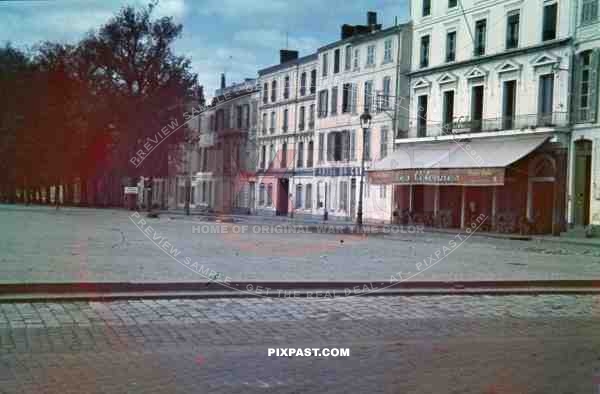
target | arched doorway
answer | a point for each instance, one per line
(582, 182)
(540, 204)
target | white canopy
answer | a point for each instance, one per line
(474, 153)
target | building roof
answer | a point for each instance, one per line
(356, 39)
(295, 62)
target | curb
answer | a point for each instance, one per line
(105, 291)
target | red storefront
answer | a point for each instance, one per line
(516, 183)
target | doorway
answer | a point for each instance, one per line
(283, 189)
(583, 176)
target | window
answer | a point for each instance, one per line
(586, 99)
(308, 197)
(286, 87)
(271, 154)
(451, 46)
(589, 11)
(348, 58)
(367, 147)
(261, 194)
(325, 64)
(352, 145)
(387, 90)
(334, 99)
(387, 51)
(346, 98)
(368, 95)
(273, 91)
(285, 120)
(383, 143)
(298, 204)
(265, 93)
(264, 124)
(336, 61)
(272, 125)
(239, 116)
(424, 52)
(480, 33)
(512, 31)
(549, 30)
(270, 195)
(323, 97)
(300, 155)
(426, 7)
(476, 108)
(508, 104)
(309, 154)
(448, 112)
(452, 3)
(246, 116)
(263, 157)
(311, 117)
(356, 59)
(382, 191)
(371, 55)
(338, 146)
(303, 84)
(301, 119)
(321, 156)
(343, 196)
(283, 155)
(313, 81)
(545, 99)
(422, 116)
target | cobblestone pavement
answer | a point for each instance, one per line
(449, 344)
(75, 245)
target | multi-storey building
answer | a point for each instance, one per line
(489, 128)
(364, 71)
(224, 178)
(584, 164)
(285, 142)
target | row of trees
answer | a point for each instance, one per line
(79, 113)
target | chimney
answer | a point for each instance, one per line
(286, 55)
(371, 18)
(347, 31)
(223, 85)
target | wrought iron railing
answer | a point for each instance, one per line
(463, 125)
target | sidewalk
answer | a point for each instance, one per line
(374, 228)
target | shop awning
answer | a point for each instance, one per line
(476, 162)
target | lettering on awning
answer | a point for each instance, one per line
(439, 176)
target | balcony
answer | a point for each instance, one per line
(463, 125)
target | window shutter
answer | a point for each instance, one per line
(345, 145)
(596, 168)
(353, 91)
(595, 63)
(576, 93)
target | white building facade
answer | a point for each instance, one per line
(224, 175)
(584, 163)
(489, 116)
(284, 142)
(364, 71)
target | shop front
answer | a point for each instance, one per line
(515, 183)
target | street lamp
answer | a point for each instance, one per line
(365, 123)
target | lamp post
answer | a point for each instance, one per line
(365, 123)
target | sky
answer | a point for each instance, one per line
(237, 37)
